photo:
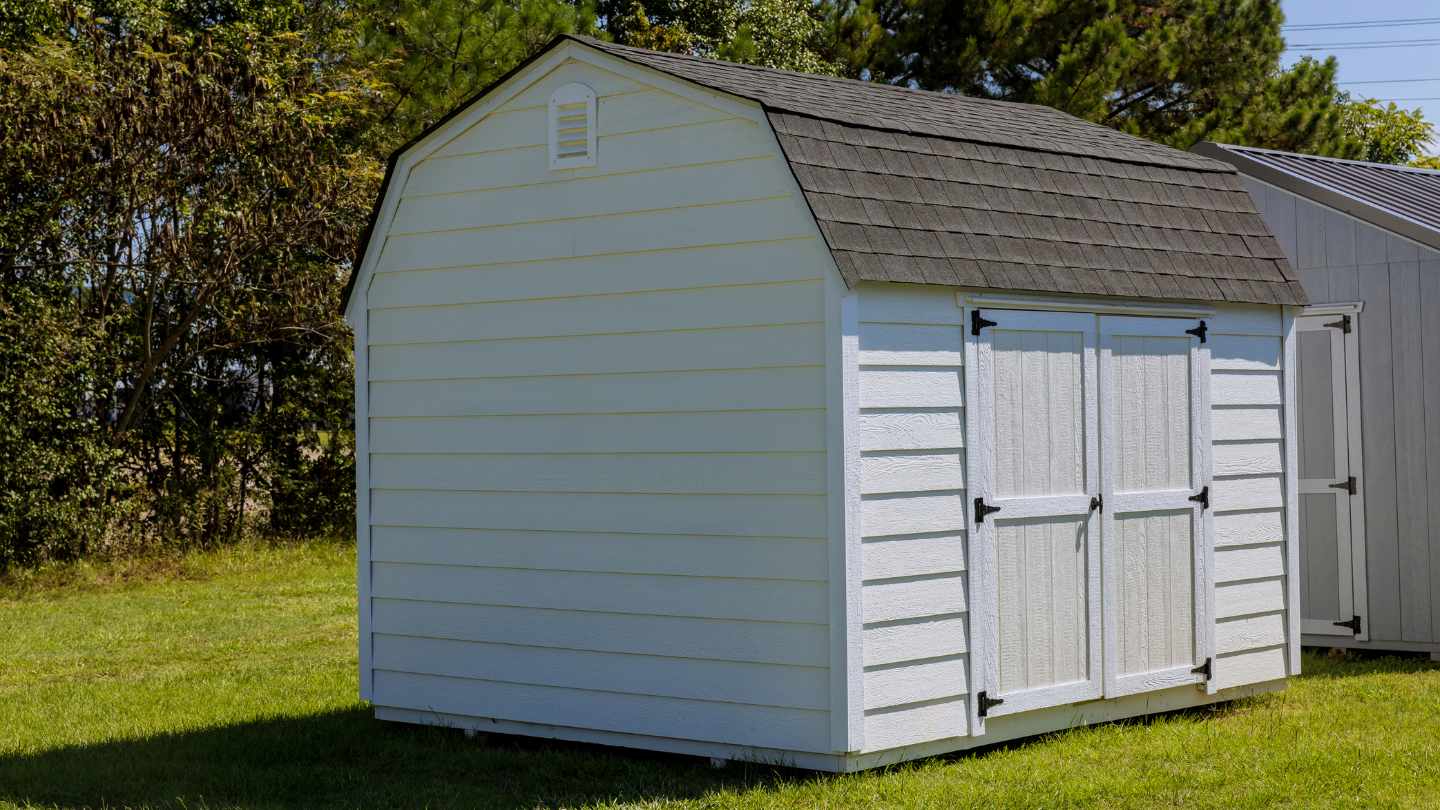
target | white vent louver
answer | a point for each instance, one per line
(572, 127)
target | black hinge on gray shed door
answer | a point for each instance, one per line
(1343, 324)
(977, 323)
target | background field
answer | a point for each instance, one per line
(227, 680)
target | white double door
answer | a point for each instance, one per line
(1088, 508)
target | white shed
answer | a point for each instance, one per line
(1365, 240)
(727, 411)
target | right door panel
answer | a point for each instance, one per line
(1153, 439)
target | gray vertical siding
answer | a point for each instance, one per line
(1341, 259)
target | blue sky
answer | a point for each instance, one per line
(1388, 59)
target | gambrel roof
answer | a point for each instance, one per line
(1401, 199)
(935, 188)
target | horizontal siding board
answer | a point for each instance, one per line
(731, 723)
(909, 303)
(750, 389)
(1249, 632)
(668, 148)
(713, 432)
(1235, 563)
(913, 556)
(889, 600)
(693, 473)
(911, 430)
(1248, 492)
(695, 679)
(1255, 666)
(1248, 528)
(679, 555)
(696, 226)
(911, 388)
(805, 645)
(1248, 458)
(684, 268)
(882, 515)
(1246, 319)
(602, 82)
(891, 344)
(1245, 388)
(911, 639)
(911, 472)
(910, 725)
(749, 347)
(1244, 353)
(915, 682)
(666, 310)
(1253, 596)
(784, 600)
(1245, 424)
(603, 195)
(627, 112)
(641, 513)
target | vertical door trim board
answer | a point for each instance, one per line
(1292, 489)
(981, 624)
(985, 604)
(361, 356)
(1207, 516)
(847, 673)
(1201, 548)
(1354, 450)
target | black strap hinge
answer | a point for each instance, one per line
(1199, 331)
(1204, 669)
(1097, 502)
(977, 323)
(984, 702)
(981, 510)
(1202, 497)
(1343, 324)
(1353, 625)
(1349, 486)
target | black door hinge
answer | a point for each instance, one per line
(977, 323)
(1343, 324)
(1202, 497)
(1353, 624)
(1348, 485)
(1204, 669)
(984, 701)
(1097, 502)
(981, 510)
(1199, 331)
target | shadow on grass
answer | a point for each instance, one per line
(348, 759)
(1324, 662)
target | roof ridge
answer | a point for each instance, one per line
(1327, 159)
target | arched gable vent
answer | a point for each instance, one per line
(572, 127)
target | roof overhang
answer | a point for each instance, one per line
(1322, 194)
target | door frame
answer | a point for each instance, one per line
(984, 594)
(1202, 545)
(1354, 461)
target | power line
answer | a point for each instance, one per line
(1426, 41)
(1391, 81)
(1347, 47)
(1361, 24)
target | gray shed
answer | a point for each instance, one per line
(1365, 238)
(728, 411)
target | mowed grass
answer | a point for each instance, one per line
(227, 680)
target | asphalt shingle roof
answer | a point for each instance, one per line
(936, 188)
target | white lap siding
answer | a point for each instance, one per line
(912, 477)
(598, 478)
(1247, 428)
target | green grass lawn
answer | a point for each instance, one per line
(227, 680)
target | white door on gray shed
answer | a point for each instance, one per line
(1154, 444)
(1331, 541)
(1039, 553)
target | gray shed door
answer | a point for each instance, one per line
(1331, 537)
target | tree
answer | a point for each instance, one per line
(1389, 134)
(434, 55)
(1190, 70)
(186, 201)
(784, 34)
